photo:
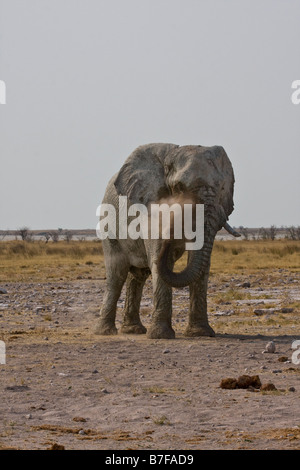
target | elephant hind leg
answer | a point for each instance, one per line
(134, 289)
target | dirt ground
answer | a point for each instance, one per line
(62, 384)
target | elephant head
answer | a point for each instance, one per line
(157, 171)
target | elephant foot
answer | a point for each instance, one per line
(134, 329)
(161, 331)
(199, 330)
(105, 329)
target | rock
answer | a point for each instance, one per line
(104, 390)
(166, 351)
(224, 313)
(268, 387)
(270, 347)
(4, 306)
(29, 416)
(17, 388)
(292, 389)
(228, 383)
(81, 432)
(246, 285)
(3, 291)
(283, 359)
(79, 419)
(287, 310)
(264, 311)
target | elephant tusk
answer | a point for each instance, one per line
(231, 230)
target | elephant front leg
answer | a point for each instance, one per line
(134, 289)
(116, 277)
(198, 322)
(161, 326)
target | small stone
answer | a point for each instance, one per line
(3, 291)
(95, 371)
(270, 347)
(81, 432)
(258, 311)
(29, 416)
(292, 389)
(287, 310)
(79, 419)
(246, 285)
(104, 390)
(166, 351)
(283, 359)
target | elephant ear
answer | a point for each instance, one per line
(228, 175)
(142, 177)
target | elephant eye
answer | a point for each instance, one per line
(168, 168)
(179, 187)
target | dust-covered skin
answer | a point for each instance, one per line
(62, 384)
(154, 173)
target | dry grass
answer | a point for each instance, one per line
(40, 261)
(234, 256)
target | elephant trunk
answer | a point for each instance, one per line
(199, 260)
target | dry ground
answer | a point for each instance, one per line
(62, 384)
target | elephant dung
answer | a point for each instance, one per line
(244, 381)
(268, 387)
(228, 383)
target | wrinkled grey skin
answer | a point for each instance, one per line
(150, 173)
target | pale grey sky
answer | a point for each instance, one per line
(89, 80)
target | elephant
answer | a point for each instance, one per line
(154, 172)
